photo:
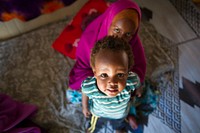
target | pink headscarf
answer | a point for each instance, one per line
(98, 29)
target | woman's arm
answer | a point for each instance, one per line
(139, 59)
(78, 73)
(82, 69)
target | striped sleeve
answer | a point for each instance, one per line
(88, 87)
(133, 81)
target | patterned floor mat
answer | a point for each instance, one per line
(168, 110)
(31, 71)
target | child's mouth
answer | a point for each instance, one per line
(112, 90)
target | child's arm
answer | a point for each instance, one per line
(85, 109)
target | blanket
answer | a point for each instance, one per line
(14, 113)
(27, 10)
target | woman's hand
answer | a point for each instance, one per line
(132, 121)
(139, 91)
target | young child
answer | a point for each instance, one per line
(109, 91)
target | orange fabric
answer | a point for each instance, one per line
(52, 6)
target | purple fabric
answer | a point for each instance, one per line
(28, 9)
(98, 29)
(12, 113)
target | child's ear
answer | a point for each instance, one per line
(94, 72)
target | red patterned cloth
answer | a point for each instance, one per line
(67, 41)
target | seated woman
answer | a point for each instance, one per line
(122, 18)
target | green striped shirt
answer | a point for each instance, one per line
(110, 107)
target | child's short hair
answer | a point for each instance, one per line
(112, 43)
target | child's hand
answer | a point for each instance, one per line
(132, 121)
(86, 112)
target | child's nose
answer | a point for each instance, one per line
(113, 81)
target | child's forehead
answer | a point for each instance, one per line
(110, 54)
(111, 60)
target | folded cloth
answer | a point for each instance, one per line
(12, 113)
(74, 97)
(149, 100)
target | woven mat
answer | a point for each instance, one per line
(32, 72)
(162, 66)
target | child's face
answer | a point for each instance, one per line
(111, 71)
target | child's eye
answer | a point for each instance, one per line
(103, 75)
(120, 75)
